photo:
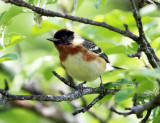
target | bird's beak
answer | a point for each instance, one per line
(53, 39)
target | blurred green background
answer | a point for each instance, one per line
(25, 35)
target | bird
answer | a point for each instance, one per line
(82, 59)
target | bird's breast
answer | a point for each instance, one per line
(65, 50)
(81, 63)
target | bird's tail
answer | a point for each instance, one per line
(111, 67)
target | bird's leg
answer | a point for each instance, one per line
(80, 86)
(101, 87)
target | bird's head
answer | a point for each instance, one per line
(66, 37)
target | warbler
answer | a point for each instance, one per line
(81, 58)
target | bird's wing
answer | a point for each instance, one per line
(94, 48)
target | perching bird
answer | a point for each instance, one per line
(81, 58)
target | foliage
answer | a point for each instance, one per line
(23, 40)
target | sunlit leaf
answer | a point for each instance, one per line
(146, 80)
(150, 10)
(99, 18)
(115, 50)
(79, 3)
(116, 84)
(118, 18)
(36, 2)
(156, 43)
(97, 4)
(105, 99)
(8, 57)
(52, 1)
(123, 95)
(148, 73)
(132, 48)
(156, 119)
(8, 15)
(45, 27)
(11, 39)
(38, 19)
(31, 1)
(105, 44)
(38, 65)
(1, 16)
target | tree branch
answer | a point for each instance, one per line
(86, 108)
(139, 109)
(66, 97)
(143, 43)
(141, 40)
(154, 61)
(70, 79)
(70, 17)
(6, 96)
(137, 19)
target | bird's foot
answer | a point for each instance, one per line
(101, 89)
(80, 87)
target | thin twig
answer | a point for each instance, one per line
(64, 80)
(139, 109)
(135, 96)
(6, 85)
(86, 108)
(91, 112)
(70, 17)
(153, 59)
(147, 116)
(70, 79)
(137, 18)
(138, 53)
(120, 113)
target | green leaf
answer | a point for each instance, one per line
(36, 2)
(156, 43)
(45, 27)
(115, 50)
(105, 99)
(118, 18)
(156, 119)
(150, 10)
(31, 1)
(132, 48)
(79, 3)
(2, 14)
(52, 1)
(153, 73)
(38, 19)
(6, 17)
(105, 44)
(123, 95)
(8, 57)
(13, 38)
(98, 3)
(156, 114)
(110, 85)
(146, 80)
